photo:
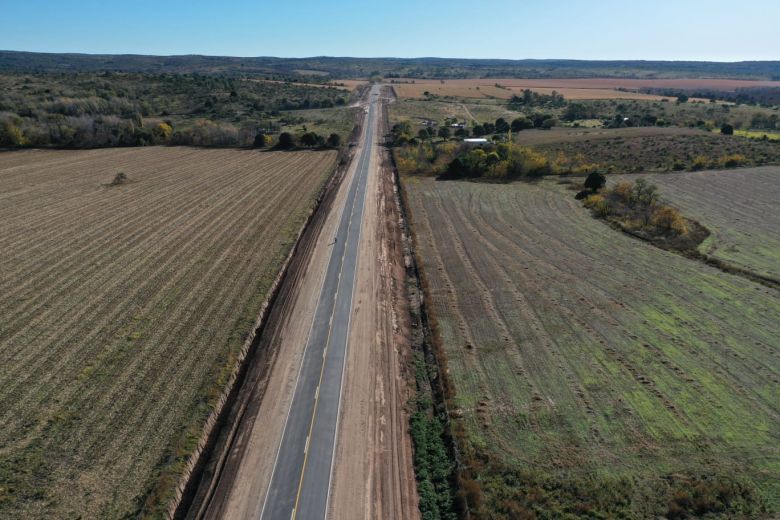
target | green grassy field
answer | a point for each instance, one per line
(595, 374)
(323, 121)
(437, 110)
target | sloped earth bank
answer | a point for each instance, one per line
(595, 373)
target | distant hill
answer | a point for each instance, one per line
(334, 67)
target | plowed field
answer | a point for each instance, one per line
(122, 309)
(588, 364)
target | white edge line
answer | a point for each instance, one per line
(300, 367)
(349, 328)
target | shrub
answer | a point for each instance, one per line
(262, 140)
(11, 135)
(592, 200)
(119, 178)
(732, 160)
(669, 219)
(334, 140)
(162, 132)
(727, 129)
(699, 163)
(623, 190)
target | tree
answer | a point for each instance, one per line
(521, 123)
(444, 132)
(727, 129)
(478, 130)
(462, 132)
(423, 134)
(502, 126)
(595, 181)
(311, 139)
(261, 140)
(285, 141)
(334, 140)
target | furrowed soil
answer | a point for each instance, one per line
(585, 88)
(592, 372)
(739, 207)
(123, 309)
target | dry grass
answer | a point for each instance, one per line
(123, 309)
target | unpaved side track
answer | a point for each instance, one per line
(373, 476)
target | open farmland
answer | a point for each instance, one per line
(739, 207)
(592, 372)
(585, 88)
(124, 308)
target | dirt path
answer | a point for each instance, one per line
(373, 474)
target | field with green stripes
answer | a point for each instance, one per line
(594, 373)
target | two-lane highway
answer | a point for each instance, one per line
(300, 482)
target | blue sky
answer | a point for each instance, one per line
(715, 30)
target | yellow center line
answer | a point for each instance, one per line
(327, 344)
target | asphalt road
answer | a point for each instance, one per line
(300, 482)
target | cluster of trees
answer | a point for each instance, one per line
(497, 162)
(112, 131)
(635, 206)
(402, 133)
(83, 131)
(288, 141)
(529, 98)
(764, 96)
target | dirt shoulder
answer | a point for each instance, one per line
(245, 452)
(373, 472)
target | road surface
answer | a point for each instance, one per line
(301, 476)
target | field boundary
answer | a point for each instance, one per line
(429, 342)
(696, 255)
(190, 483)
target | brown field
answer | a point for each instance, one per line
(594, 373)
(350, 84)
(739, 207)
(586, 88)
(123, 309)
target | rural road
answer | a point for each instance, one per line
(301, 476)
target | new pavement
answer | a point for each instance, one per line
(300, 481)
